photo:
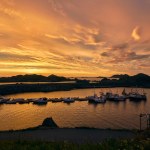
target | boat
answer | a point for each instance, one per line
(13, 101)
(122, 98)
(118, 98)
(136, 96)
(20, 100)
(110, 96)
(30, 100)
(144, 97)
(97, 99)
(115, 97)
(40, 101)
(68, 100)
(101, 99)
(4, 100)
(56, 100)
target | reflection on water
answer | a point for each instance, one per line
(108, 115)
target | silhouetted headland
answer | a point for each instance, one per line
(34, 78)
(139, 80)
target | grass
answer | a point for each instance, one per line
(135, 144)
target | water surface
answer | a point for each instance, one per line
(109, 115)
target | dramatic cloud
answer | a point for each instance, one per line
(136, 34)
(74, 38)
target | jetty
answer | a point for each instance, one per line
(95, 98)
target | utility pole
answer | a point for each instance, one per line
(147, 116)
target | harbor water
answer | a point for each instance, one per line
(120, 115)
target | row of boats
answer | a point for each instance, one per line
(38, 101)
(102, 98)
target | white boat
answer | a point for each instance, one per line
(97, 99)
(4, 100)
(68, 100)
(118, 97)
(115, 97)
(122, 98)
(40, 101)
(101, 99)
(13, 101)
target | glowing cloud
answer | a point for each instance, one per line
(136, 34)
(65, 38)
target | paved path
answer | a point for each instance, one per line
(72, 135)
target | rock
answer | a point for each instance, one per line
(49, 122)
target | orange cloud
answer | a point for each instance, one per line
(136, 34)
(55, 36)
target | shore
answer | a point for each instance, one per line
(52, 87)
(74, 135)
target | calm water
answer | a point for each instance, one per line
(6, 83)
(108, 115)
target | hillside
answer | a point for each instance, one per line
(33, 78)
(126, 80)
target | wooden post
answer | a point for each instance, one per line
(140, 122)
(148, 121)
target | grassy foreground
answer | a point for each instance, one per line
(106, 145)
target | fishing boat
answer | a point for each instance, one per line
(110, 96)
(40, 101)
(4, 100)
(115, 97)
(13, 101)
(68, 100)
(20, 100)
(136, 96)
(97, 99)
(101, 99)
(56, 100)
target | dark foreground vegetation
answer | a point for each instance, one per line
(106, 145)
(139, 80)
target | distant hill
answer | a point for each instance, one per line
(33, 78)
(119, 76)
(126, 80)
(139, 80)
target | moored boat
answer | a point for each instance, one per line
(68, 100)
(97, 99)
(56, 100)
(136, 96)
(13, 101)
(4, 100)
(40, 101)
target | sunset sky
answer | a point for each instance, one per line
(74, 37)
